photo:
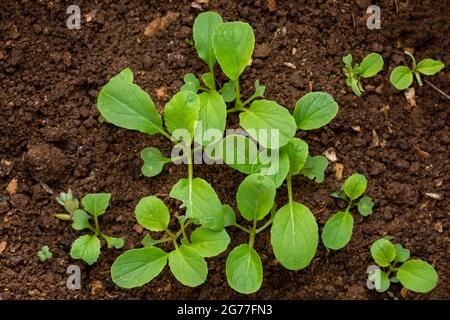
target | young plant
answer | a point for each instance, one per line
(403, 76)
(337, 231)
(87, 247)
(44, 254)
(136, 267)
(369, 67)
(396, 266)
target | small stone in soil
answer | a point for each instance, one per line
(3, 245)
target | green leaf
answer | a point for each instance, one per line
(229, 216)
(255, 197)
(149, 241)
(87, 248)
(314, 110)
(262, 121)
(297, 151)
(233, 44)
(203, 30)
(208, 80)
(113, 242)
(355, 87)
(380, 279)
(212, 116)
(383, 252)
(228, 91)
(259, 90)
(401, 254)
(275, 167)
(417, 276)
(191, 83)
(201, 202)
(96, 203)
(136, 267)
(154, 161)
(80, 220)
(401, 77)
(244, 269)
(430, 67)
(355, 186)
(371, 65)
(188, 266)
(337, 231)
(125, 75)
(126, 105)
(152, 214)
(182, 111)
(209, 243)
(294, 236)
(365, 205)
(315, 168)
(348, 60)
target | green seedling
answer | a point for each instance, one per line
(337, 231)
(87, 247)
(44, 254)
(369, 67)
(403, 76)
(396, 266)
(136, 267)
(69, 203)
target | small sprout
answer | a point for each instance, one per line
(403, 76)
(44, 254)
(369, 67)
(69, 203)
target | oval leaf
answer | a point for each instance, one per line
(297, 151)
(203, 30)
(244, 269)
(401, 77)
(188, 266)
(209, 243)
(152, 214)
(96, 203)
(315, 168)
(365, 205)
(274, 166)
(154, 161)
(181, 112)
(212, 117)
(355, 185)
(81, 220)
(417, 276)
(383, 252)
(401, 254)
(86, 248)
(337, 231)
(314, 110)
(371, 65)
(429, 67)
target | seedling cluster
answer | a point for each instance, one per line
(44, 254)
(369, 67)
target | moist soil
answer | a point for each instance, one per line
(51, 139)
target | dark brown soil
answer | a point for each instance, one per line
(50, 138)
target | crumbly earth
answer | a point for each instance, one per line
(51, 139)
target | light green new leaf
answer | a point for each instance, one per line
(149, 241)
(430, 67)
(81, 220)
(401, 254)
(201, 202)
(188, 266)
(294, 236)
(417, 276)
(355, 185)
(152, 214)
(181, 112)
(229, 216)
(203, 30)
(212, 116)
(87, 248)
(228, 91)
(255, 197)
(136, 267)
(233, 44)
(264, 119)
(297, 151)
(208, 80)
(383, 252)
(154, 161)
(244, 269)
(315, 168)
(191, 83)
(337, 231)
(126, 105)
(371, 65)
(314, 110)
(365, 205)
(209, 243)
(113, 242)
(125, 75)
(275, 167)
(96, 203)
(401, 77)
(348, 60)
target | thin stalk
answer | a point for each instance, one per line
(183, 231)
(252, 234)
(97, 226)
(418, 78)
(267, 224)
(238, 104)
(173, 237)
(211, 70)
(289, 186)
(242, 228)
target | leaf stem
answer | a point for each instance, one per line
(238, 104)
(97, 225)
(252, 233)
(183, 232)
(289, 186)
(242, 227)
(173, 236)
(211, 70)
(267, 224)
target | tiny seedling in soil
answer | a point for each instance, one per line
(337, 231)
(369, 67)
(396, 266)
(87, 247)
(403, 76)
(44, 254)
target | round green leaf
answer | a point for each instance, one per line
(255, 197)
(113, 242)
(154, 161)
(182, 111)
(233, 44)
(191, 83)
(264, 119)
(383, 252)
(229, 216)
(80, 220)
(401, 254)
(209, 243)
(429, 67)
(274, 166)
(371, 65)
(212, 116)
(152, 214)
(203, 30)
(337, 231)
(294, 236)
(355, 185)
(188, 266)
(87, 248)
(96, 203)
(417, 276)
(297, 150)
(244, 269)
(401, 77)
(365, 205)
(136, 267)
(314, 110)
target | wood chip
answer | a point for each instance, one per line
(421, 153)
(379, 89)
(404, 293)
(289, 65)
(330, 154)
(375, 138)
(160, 24)
(90, 16)
(432, 195)
(272, 5)
(438, 227)
(12, 186)
(410, 95)
(356, 128)
(2, 246)
(338, 170)
(96, 285)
